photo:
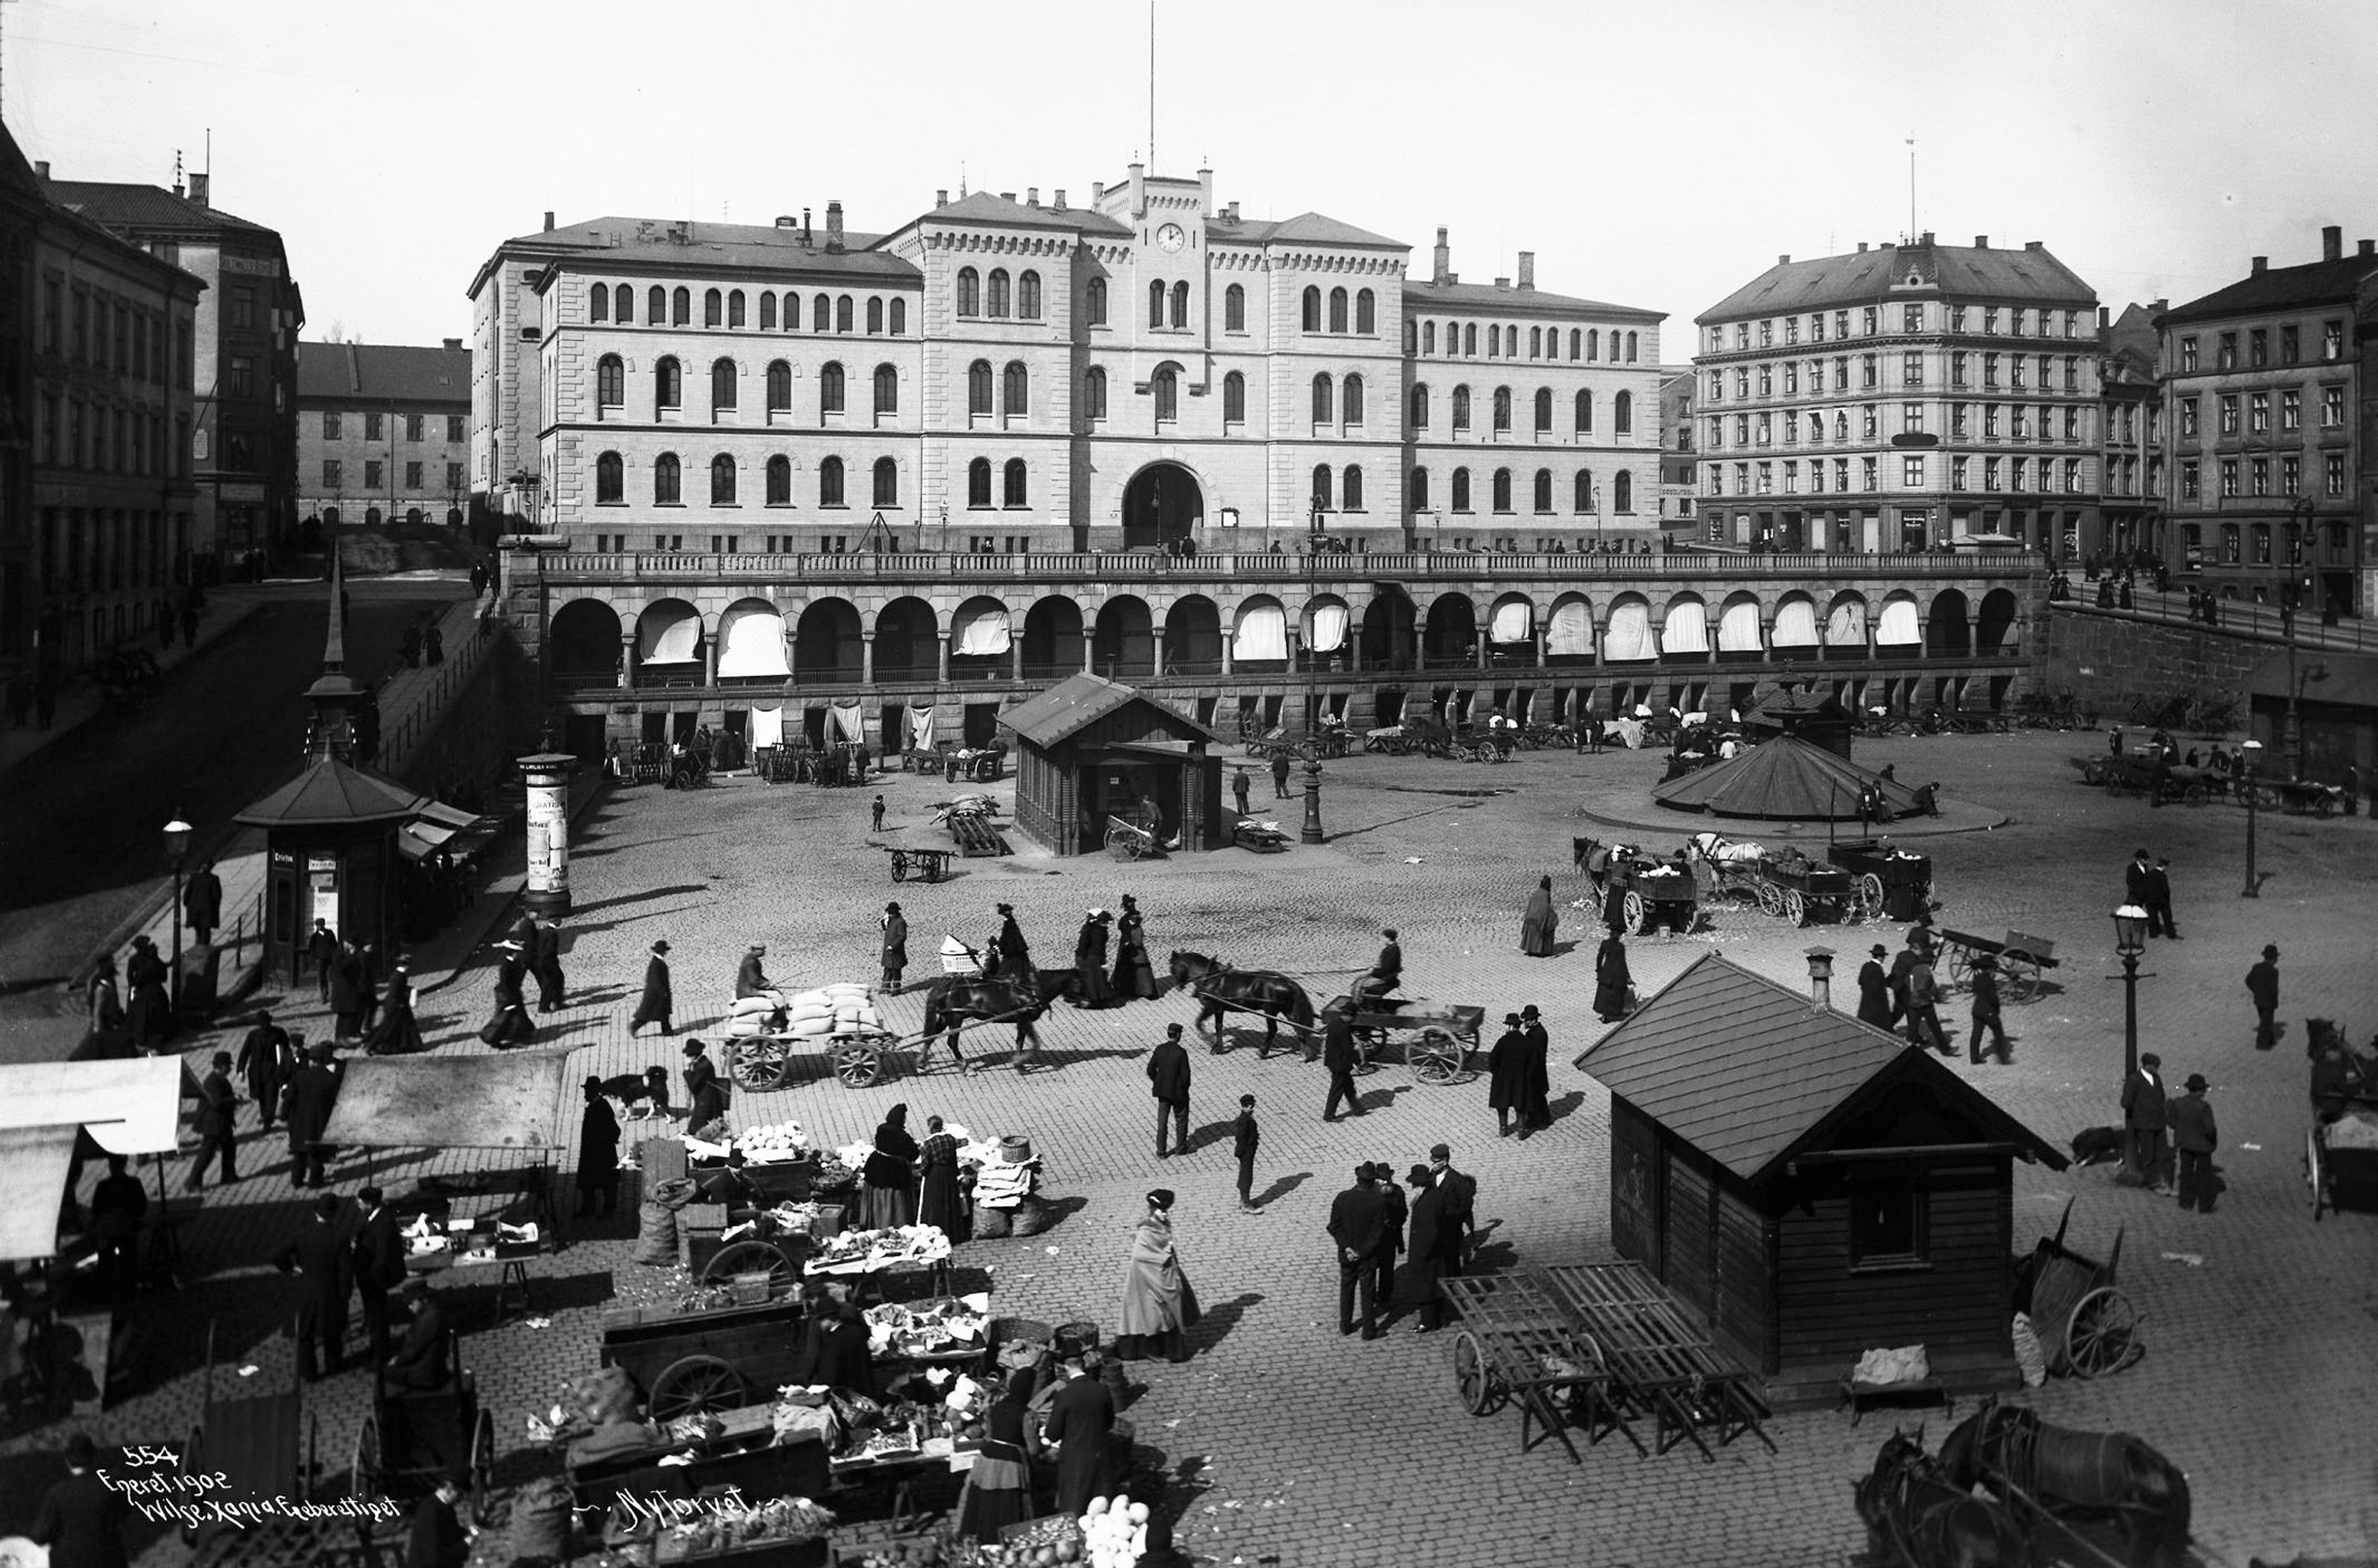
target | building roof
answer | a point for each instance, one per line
(1305, 227)
(1751, 1073)
(330, 793)
(1428, 294)
(383, 373)
(1865, 276)
(2131, 343)
(982, 207)
(1786, 780)
(1080, 700)
(678, 242)
(148, 209)
(2280, 288)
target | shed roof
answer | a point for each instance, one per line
(1750, 1072)
(1787, 779)
(330, 793)
(510, 1100)
(382, 372)
(1080, 700)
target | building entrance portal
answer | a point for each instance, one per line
(1160, 505)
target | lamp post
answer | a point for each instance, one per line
(2129, 940)
(1311, 832)
(177, 849)
(2250, 786)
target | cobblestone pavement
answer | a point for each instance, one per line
(1288, 1442)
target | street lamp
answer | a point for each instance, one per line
(1311, 832)
(177, 849)
(2129, 940)
(2247, 784)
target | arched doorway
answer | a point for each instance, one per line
(907, 641)
(1125, 644)
(1452, 638)
(1946, 635)
(1391, 640)
(581, 646)
(1162, 503)
(1995, 637)
(825, 644)
(1192, 637)
(1052, 638)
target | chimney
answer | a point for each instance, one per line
(41, 169)
(199, 194)
(2332, 239)
(1205, 193)
(1502, 283)
(2034, 244)
(1526, 269)
(2105, 317)
(1097, 192)
(2366, 247)
(453, 345)
(1861, 247)
(1784, 259)
(1927, 239)
(807, 235)
(1820, 978)
(1138, 189)
(1444, 259)
(1031, 196)
(1061, 199)
(196, 188)
(942, 197)
(786, 221)
(2261, 263)
(1007, 196)
(1981, 242)
(1233, 214)
(833, 228)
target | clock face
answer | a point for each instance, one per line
(1170, 236)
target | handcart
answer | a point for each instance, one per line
(1437, 1036)
(256, 1448)
(1803, 891)
(2023, 960)
(769, 1060)
(688, 1363)
(1516, 1342)
(1660, 1364)
(1129, 841)
(2085, 1322)
(1258, 837)
(413, 1438)
(929, 865)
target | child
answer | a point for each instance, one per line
(1245, 1135)
(879, 814)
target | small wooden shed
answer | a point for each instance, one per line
(1088, 749)
(1811, 1186)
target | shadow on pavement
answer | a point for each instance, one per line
(1281, 1187)
(1219, 1320)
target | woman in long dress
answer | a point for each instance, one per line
(886, 1184)
(108, 1025)
(1158, 1303)
(1090, 960)
(999, 1488)
(1611, 979)
(396, 1031)
(511, 1025)
(1539, 921)
(937, 1193)
(1135, 977)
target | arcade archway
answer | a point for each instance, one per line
(1161, 504)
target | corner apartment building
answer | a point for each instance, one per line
(243, 441)
(383, 433)
(2131, 416)
(1903, 397)
(2259, 382)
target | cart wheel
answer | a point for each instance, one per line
(2312, 1172)
(1472, 1378)
(1961, 966)
(858, 1063)
(483, 1465)
(693, 1386)
(1770, 899)
(750, 1257)
(2194, 795)
(1795, 906)
(1435, 1057)
(2102, 1335)
(900, 868)
(1633, 905)
(1869, 897)
(2021, 973)
(365, 1478)
(757, 1063)
(2323, 806)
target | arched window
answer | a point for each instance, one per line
(821, 315)
(1428, 337)
(780, 386)
(1630, 348)
(1321, 487)
(969, 292)
(735, 308)
(623, 303)
(1585, 413)
(830, 388)
(610, 381)
(722, 481)
(1312, 317)
(1028, 296)
(887, 390)
(665, 480)
(1622, 492)
(830, 483)
(1012, 484)
(669, 384)
(657, 305)
(767, 310)
(1014, 388)
(1166, 384)
(1234, 309)
(1583, 499)
(1095, 306)
(1353, 399)
(1544, 489)
(682, 307)
(1156, 302)
(842, 312)
(1094, 394)
(1416, 491)
(979, 387)
(899, 318)
(1468, 339)
(874, 314)
(1510, 342)
(1234, 399)
(1366, 317)
(1501, 489)
(995, 303)
(1575, 343)
(1503, 407)
(1419, 406)
(1351, 490)
(978, 483)
(792, 312)
(722, 384)
(1535, 342)
(714, 307)
(1461, 408)
(1543, 409)
(610, 479)
(1593, 344)
(1461, 490)
(780, 481)
(1323, 401)
(1622, 414)
(598, 302)
(1337, 310)
(887, 483)
(1181, 303)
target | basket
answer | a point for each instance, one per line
(749, 1289)
(1007, 1331)
(1014, 1149)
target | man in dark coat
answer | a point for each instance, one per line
(202, 901)
(2134, 884)
(423, 1356)
(1168, 1077)
(839, 1357)
(320, 1258)
(1613, 981)
(346, 996)
(2263, 984)
(81, 1518)
(655, 1005)
(2146, 1114)
(1916, 951)
(378, 1265)
(436, 1538)
(2194, 1139)
(117, 1205)
(750, 979)
(1279, 775)
(1245, 1137)
(1239, 788)
(1358, 1223)
(2158, 900)
(1427, 1235)
(1924, 1005)
(214, 1124)
(705, 1095)
(895, 947)
(1874, 989)
(545, 961)
(598, 1152)
(1505, 1066)
(305, 1104)
(1535, 1111)
(1337, 1054)
(1987, 1013)
(264, 1065)
(1081, 1421)
(1392, 1245)
(1459, 1212)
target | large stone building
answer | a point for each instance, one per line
(243, 442)
(2258, 386)
(2131, 420)
(383, 433)
(1905, 397)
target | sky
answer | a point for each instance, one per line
(1654, 155)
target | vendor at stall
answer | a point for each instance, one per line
(426, 1353)
(999, 1490)
(834, 1352)
(886, 1193)
(730, 1184)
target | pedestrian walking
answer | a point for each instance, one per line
(322, 949)
(1535, 1111)
(117, 1207)
(1987, 1014)
(1924, 1005)
(433, 645)
(318, 1254)
(346, 992)
(1239, 785)
(656, 1002)
(1246, 1137)
(2158, 891)
(378, 1268)
(1279, 775)
(875, 815)
(1168, 1077)
(546, 964)
(895, 946)
(510, 1023)
(217, 1135)
(938, 1201)
(1338, 1053)
(2263, 984)
(1134, 976)
(1614, 983)
(307, 1101)
(1460, 1213)
(2134, 881)
(110, 1024)
(2146, 1114)
(2194, 1139)
(396, 1032)
(1091, 986)
(705, 1093)
(202, 902)
(149, 1017)
(1428, 1236)
(1358, 1220)
(264, 1065)
(1874, 989)
(1505, 1070)
(598, 1153)
(1158, 1305)
(1539, 921)
(81, 1518)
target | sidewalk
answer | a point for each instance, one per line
(81, 699)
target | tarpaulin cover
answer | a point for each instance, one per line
(1845, 624)
(767, 726)
(668, 634)
(1898, 626)
(847, 722)
(1515, 620)
(1796, 625)
(132, 1104)
(1629, 633)
(1328, 627)
(1738, 628)
(1571, 630)
(980, 628)
(920, 729)
(1262, 631)
(1686, 630)
(1787, 779)
(752, 641)
(34, 1162)
(504, 1101)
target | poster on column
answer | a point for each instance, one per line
(548, 838)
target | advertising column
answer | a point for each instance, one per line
(545, 776)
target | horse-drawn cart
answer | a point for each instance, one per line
(853, 1043)
(1516, 1342)
(2085, 1322)
(1890, 882)
(1437, 1036)
(1653, 895)
(2023, 960)
(1802, 890)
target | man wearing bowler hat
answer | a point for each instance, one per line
(2263, 983)
(1874, 989)
(1987, 1014)
(2145, 1115)
(2196, 1138)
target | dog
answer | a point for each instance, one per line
(2095, 1145)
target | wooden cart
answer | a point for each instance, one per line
(768, 1061)
(929, 865)
(2023, 960)
(2085, 1322)
(255, 1447)
(1437, 1036)
(690, 1363)
(1516, 1342)
(1256, 837)
(415, 1438)
(1129, 841)
(1890, 880)
(1802, 890)
(1660, 1364)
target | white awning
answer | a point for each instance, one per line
(978, 629)
(668, 634)
(1898, 625)
(131, 1105)
(767, 726)
(1796, 625)
(1571, 630)
(1328, 627)
(752, 641)
(1686, 630)
(1514, 620)
(920, 729)
(1628, 634)
(848, 722)
(1261, 632)
(1845, 624)
(1737, 627)
(33, 1163)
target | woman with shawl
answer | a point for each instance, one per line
(887, 1181)
(1611, 979)
(1158, 1303)
(1540, 920)
(937, 1198)
(999, 1488)
(1134, 978)
(1090, 960)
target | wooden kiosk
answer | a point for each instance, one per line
(1089, 749)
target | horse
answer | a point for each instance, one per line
(955, 1001)
(2111, 1475)
(1221, 989)
(1911, 1506)
(1718, 850)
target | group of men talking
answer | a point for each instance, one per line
(1373, 1224)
